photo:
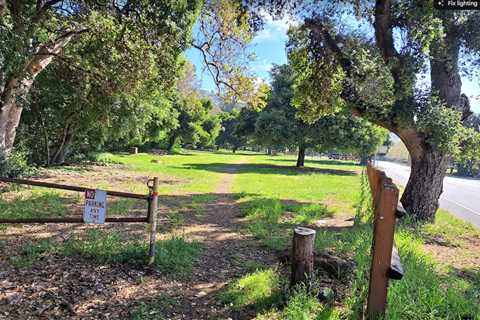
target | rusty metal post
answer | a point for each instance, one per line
(152, 214)
(383, 232)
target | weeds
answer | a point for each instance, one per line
(30, 252)
(173, 256)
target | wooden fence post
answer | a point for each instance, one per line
(152, 214)
(302, 254)
(383, 232)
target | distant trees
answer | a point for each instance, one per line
(229, 137)
(196, 125)
(468, 161)
(279, 126)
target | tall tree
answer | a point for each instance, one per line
(371, 63)
(35, 33)
(279, 125)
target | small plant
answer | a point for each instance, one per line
(310, 213)
(260, 289)
(30, 252)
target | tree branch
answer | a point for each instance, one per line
(349, 93)
(214, 69)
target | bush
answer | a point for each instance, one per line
(102, 158)
(15, 165)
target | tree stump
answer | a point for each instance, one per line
(133, 150)
(302, 254)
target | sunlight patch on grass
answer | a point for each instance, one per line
(35, 203)
(260, 289)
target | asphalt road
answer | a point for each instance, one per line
(461, 196)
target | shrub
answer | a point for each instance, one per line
(102, 158)
(15, 164)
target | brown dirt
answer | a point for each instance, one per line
(56, 287)
(462, 256)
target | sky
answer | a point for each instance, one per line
(269, 48)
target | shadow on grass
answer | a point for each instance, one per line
(264, 169)
(322, 162)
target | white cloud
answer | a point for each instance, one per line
(274, 29)
(262, 66)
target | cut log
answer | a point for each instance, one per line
(302, 255)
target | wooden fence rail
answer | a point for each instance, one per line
(385, 259)
(151, 198)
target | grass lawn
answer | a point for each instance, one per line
(442, 279)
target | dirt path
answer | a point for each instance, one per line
(226, 252)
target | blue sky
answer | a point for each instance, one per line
(269, 48)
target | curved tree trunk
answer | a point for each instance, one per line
(301, 155)
(63, 149)
(17, 87)
(171, 142)
(425, 185)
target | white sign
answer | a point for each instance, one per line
(95, 206)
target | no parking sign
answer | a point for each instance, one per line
(95, 206)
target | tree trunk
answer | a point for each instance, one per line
(171, 142)
(18, 86)
(301, 155)
(234, 149)
(425, 185)
(61, 153)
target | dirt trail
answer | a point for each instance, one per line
(227, 250)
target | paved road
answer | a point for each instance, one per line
(461, 196)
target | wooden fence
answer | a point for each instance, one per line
(151, 198)
(385, 259)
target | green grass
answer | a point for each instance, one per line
(260, 290)
(272, 220)
(172, 256)
(30, 252)
(185, 169)
(35, 203)
(336, 185)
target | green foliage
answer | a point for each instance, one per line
(228, 137)
(172, 256)
(317, 86)
(281, 123)
(30, 252)
(308, 214)
(196, 126)
(102, 158)
(112, 82)
(443, 126)
(15, 165)
(260, 289)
